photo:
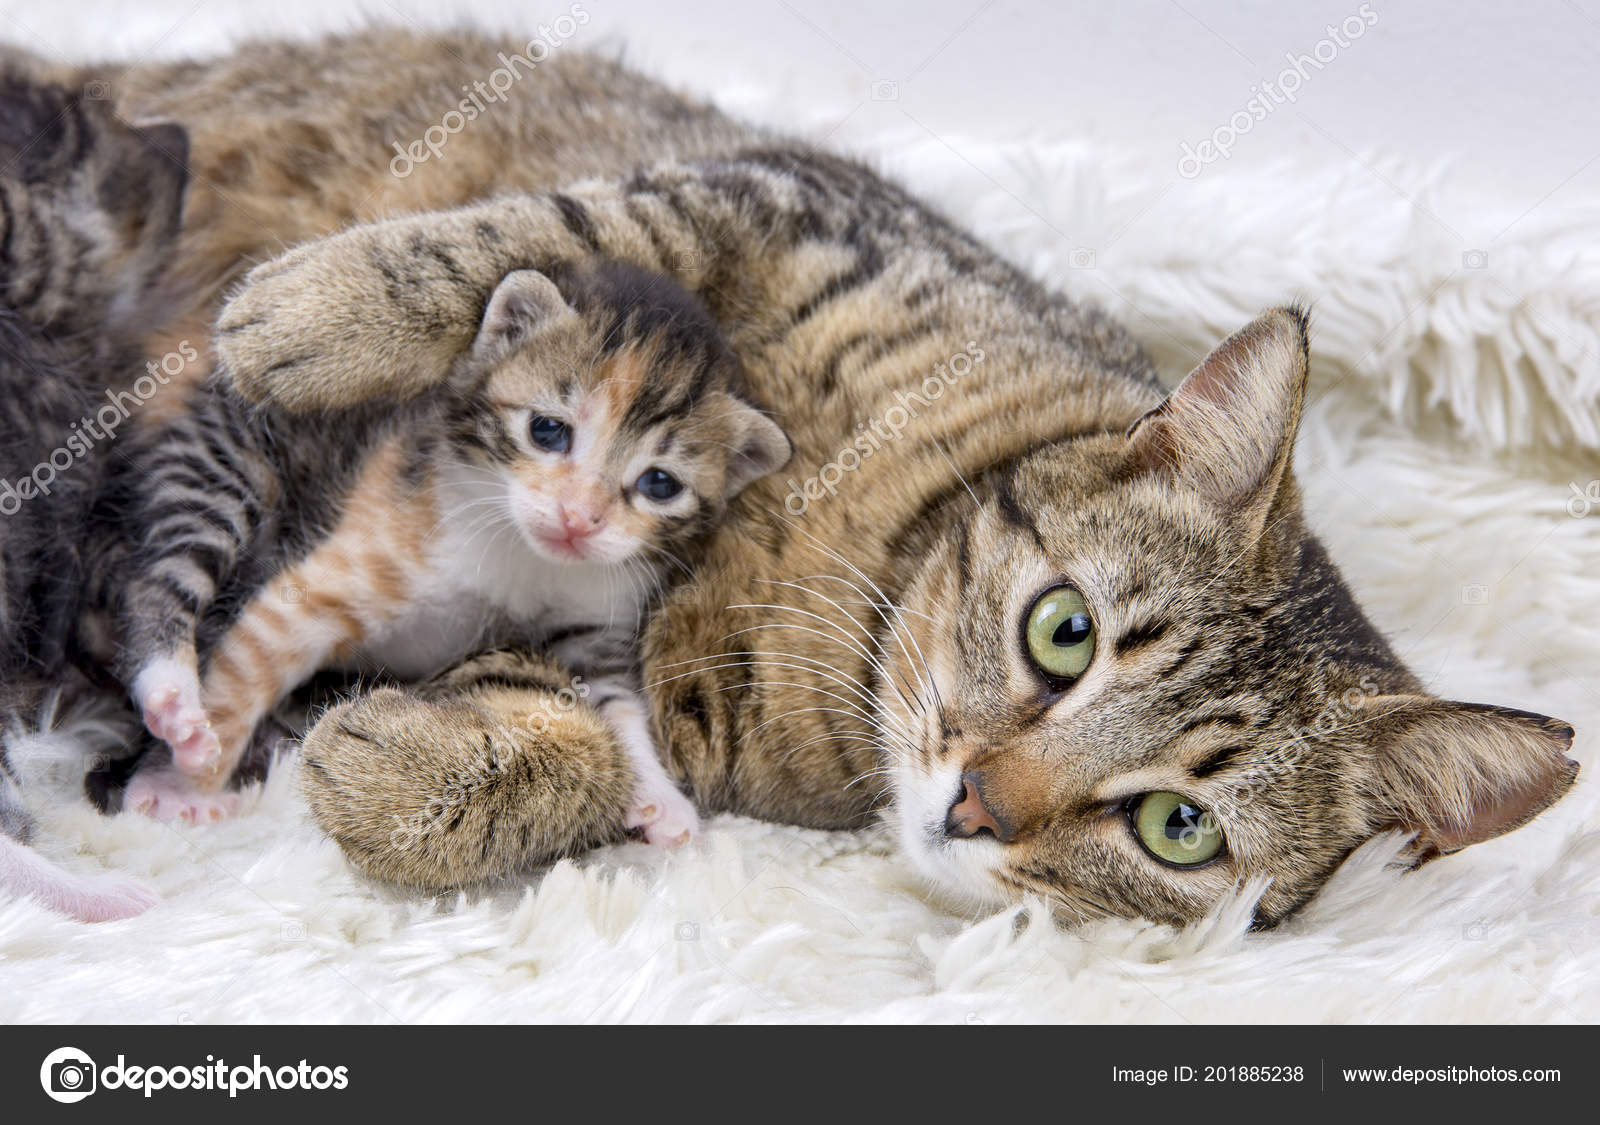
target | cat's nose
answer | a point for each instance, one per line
(969, 816)
(578, 521)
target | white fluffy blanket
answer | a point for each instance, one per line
(1448, 460)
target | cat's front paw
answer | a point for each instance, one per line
(342, 320)
(165, 794)
(660, 810)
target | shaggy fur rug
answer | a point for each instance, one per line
(1449, 459)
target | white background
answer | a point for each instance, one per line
(1507, 96)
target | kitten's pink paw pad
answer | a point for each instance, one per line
(667, 817)
(183, 725)
(163, 795)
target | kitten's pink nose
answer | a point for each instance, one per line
(580, 522)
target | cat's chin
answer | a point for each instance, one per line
(960, 869)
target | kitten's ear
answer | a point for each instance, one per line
(1461, 773)
(525, 303)
(760, 447)
(1228, 429)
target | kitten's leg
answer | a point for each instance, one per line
(667, 817)
(167, 691)
(25, 873)
(362, 574)
(480, 773)
(196, 505)
(166, 793)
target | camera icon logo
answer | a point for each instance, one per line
(97, 91)
(1475, 259)
(68, 1075)
(1082, 258)
(1475, 593)
(885, 90)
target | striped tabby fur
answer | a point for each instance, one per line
(857, 640)
(89, 209)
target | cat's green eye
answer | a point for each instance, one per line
(1060, 633)
(1174, 831)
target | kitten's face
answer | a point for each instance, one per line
(613, 415)
(92, 205)
(1154, 685)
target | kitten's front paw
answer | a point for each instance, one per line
(165, 794)
(667, 818)
(169, 700)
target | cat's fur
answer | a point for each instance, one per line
(855, 640)
(89, 212)
(407, 537)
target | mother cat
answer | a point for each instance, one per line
(1073, 636)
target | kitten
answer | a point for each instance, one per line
(594, 432)
(89, 209)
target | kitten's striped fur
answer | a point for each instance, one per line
(89, 209)
(407, 537)
(869, 655)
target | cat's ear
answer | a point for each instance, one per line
(1461, 773)
(760, 447)
(1228, 429)
(525, 303)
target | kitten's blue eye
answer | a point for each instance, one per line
(547, 433)
(658, 484)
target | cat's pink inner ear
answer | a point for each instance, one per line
(1228, 429)
(524, 303)
(1461, 773)
(760, 447)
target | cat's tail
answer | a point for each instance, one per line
(493, 768)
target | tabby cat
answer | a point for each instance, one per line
(1068, 633)
(89, 209)
(589, 439)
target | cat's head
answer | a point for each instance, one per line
(1156, 686)
(611, 407)
(92, 204)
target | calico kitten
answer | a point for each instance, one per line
(89, 210)
(595, 431)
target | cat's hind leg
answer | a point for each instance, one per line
(167, 691)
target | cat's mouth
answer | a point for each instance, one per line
(562, 547)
